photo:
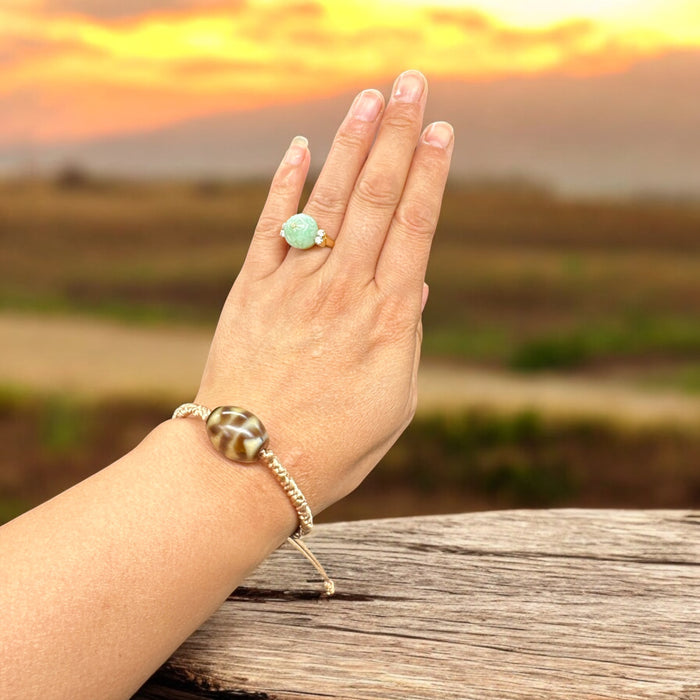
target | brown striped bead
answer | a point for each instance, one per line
(236, 433)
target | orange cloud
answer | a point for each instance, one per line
(467, 19)
(524, 49)
(76, 68)
(120, 9)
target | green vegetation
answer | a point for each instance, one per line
(62, 425)
(631, 336)
(519, 278)
(499, 456)
(11, 508)
(476, 459)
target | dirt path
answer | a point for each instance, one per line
(105, 358)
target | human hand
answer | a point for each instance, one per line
(323, 344)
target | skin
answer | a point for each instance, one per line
(102, 583)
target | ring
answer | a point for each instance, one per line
(302, 231)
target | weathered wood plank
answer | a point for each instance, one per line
(555, 604)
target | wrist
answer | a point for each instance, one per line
(241, 438)
(286, 442)
(245, 496)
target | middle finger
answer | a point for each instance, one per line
(379, 187)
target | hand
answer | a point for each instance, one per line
(323, 344)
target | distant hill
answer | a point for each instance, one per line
(628, 132)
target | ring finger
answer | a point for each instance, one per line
(336, 181)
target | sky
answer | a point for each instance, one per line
(77, 69)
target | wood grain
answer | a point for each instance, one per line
(559, 604)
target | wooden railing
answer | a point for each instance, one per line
(559, 604)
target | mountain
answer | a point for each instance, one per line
(627, 132)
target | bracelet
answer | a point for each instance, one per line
(241, 437)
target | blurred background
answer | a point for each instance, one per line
(562, 335)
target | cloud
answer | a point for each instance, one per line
(563, 35)
(123, 9)
(476, 25)
(13, 46)
(160, 62)
(302, 10)
(30, 56)
(275, 21)
(216, 67)
(466, 19)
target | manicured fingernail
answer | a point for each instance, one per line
(409, 86)
(439, 134)
(426, 291)
(366, 106)
(297, 150)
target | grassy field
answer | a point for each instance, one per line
(470, 460)
(521, 280)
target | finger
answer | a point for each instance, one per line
(329, 198)
(268, 249)
(404, 257)
(378, 188)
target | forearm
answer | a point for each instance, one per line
(102, 583)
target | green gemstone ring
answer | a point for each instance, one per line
(302, 231)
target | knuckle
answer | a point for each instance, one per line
(328, 201)
(395, 321)
(285, 181)
(350, 136)
(269, 224)
(337, 298)
(378, 189)
(416, 217)
(403, 117)
(334, 295)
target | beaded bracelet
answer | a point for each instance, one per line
(241, 437)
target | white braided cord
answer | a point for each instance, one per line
(267, 457)
(306, 520)
(192, 409)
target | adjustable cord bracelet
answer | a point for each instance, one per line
(241, 437)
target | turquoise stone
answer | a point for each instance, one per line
(300, 231)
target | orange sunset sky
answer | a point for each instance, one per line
(71, 69)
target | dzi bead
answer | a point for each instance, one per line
(236, 433)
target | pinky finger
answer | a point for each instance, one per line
(268, 249)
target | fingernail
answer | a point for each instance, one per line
(297, 150)
(439, 134)
(366, 106)
(409, 86)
